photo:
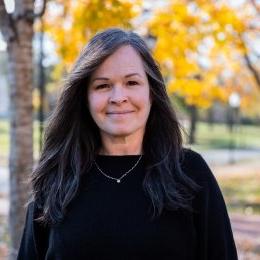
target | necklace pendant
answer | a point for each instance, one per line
(117, 180)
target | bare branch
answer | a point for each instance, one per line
(41, 13)
(6, 25)
(3, 14)
(29, 13)
(252, 69)
(249, 64)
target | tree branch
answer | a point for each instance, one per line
(29, 14)
(42, 11)
(3, 14)
(249, 64)
(6, 19)
(252, 69)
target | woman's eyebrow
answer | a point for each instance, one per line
(132, 74)
(126, 76)
(99, 78)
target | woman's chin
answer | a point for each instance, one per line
(121, 133)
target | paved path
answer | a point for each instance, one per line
(225, 156)
(246, 230)
(248, 226)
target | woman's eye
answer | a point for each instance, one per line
(102, 86)
(132, 83)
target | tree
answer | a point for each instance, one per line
(200, 49)
(17, 30)
(77, 21)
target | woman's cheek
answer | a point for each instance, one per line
(97, 102)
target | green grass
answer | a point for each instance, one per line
(218, 136)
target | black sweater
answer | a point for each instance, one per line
(110, 220)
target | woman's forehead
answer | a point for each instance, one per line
(124, 61)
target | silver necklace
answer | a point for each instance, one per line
(118, 180)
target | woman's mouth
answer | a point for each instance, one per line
(119, 112)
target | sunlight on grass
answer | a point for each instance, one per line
(218, 136)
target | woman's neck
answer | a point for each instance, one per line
(121, 145)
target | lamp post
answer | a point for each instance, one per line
(234, 104)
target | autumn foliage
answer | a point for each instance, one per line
(201, 47)
(201, 44)
(75, 22)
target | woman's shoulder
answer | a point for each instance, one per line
(191, 158)
(33, 209)
(195, 166)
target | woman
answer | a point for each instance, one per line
(113, 180)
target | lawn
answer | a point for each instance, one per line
(218, 136)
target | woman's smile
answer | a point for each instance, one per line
(119, 113)
(121, 116)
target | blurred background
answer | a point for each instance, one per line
(208, 52)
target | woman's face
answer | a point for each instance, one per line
(119, 94)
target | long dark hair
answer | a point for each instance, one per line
(72, 138)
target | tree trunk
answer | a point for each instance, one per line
(193, 123)
(210, 117)
(21, 120)
(17, 29)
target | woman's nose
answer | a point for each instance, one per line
(118, 95)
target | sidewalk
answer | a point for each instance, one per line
(223, 157)
(246, 230)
